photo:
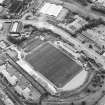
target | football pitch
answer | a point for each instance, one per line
(53, 64)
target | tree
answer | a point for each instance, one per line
(83, 103)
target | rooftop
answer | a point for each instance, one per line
(51, 9)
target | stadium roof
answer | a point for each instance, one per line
(51, 9)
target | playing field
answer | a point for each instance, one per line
(53, 64)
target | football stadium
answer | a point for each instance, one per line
(53, 64)
(57, 68)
